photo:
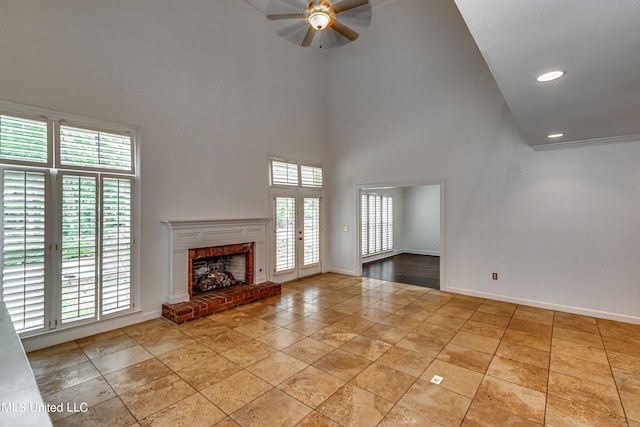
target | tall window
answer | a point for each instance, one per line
(377, 223)
(67, 221)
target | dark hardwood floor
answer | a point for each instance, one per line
(420, 270)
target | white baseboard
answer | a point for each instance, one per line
(550, 306)
(345, 272)
(49, 339)
(420, 252)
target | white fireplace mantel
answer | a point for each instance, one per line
(185, 235)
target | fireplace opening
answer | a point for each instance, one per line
(218, 267)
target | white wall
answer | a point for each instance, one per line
(211, 85)
(421, 211)
(413, 101)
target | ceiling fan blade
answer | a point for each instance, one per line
(348, 4)
(280, 16)
(344, 30)
(308, 38)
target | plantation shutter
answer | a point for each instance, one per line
(79, 247)
(377, 223)
(284, 173)
(364, 214)
(116, 244)
(24, 245)
(311, 176)
(88, 148)
(24, 140)
(311, 230)
(285, 222)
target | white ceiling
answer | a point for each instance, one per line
(597, 42)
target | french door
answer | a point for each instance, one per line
(297, 220)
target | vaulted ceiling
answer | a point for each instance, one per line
(597, 44)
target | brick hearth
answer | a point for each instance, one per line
(218, 300)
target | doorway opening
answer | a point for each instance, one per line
(400, 229)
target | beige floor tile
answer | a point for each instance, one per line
(328, 316)
(442, 333)
(493, 310)
(620, 330)
(111, 413)
(283, 317)
(520, 353)
(366, 347)
(280, 338)
(308, 350)
(487, 415)
(631, 403)
(535, 315)
(446, 320)
(623, 345)
(406, 323)
(342, 364)
(561, 412)
(476, 342)
(86, 394)
(194, 411)
(585, 392)
(484, 329)
(576, 322)
(353, 406)
(59, 379)
(405, 361)
(384, 381)
(354, 323)
(306, 326)
(258, 310)
(248, 353)
(452, 310)
(107, 345)
(43, 361)
(156, 395)
(121, 359)
(510, 397)
(584, 369)
(256, 328)
(427, 346)
(232, 318)
(311, 386)
(333, 336)
(490, 319)
(465, 357)
(414, 311)
(224, 340)
(626, 362)
(235, 391)
(202, 330)
(208, 372)
(186, 356)
(578, 337)
(137, 375)
(531, 327)
(519, 373)
(276, 368)
(627, 381)
(455, 378)
(373, 314)
(316, 419)
(435, 403)
(579, 351)
(526, 339)
(261, 411)
(386, 333)
(99, 337)
(166, 343)
(399, 416)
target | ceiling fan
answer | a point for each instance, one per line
(319, 19)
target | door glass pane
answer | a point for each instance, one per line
(311, 230)
(285, 223)
(23, 254)
(79, 247)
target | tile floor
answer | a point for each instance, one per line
(341, 351)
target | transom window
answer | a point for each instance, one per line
(67, 220)
(286, 173)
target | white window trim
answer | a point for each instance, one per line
(54, 118)
(299, 166)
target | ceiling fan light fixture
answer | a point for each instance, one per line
(550, 76)
(319, 17)
(556, 135)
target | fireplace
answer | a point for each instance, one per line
(218, 267)
(225, 250)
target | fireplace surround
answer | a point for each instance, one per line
(210, 238)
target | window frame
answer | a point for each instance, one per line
(53, 172)
(299, 166)
(383, 202)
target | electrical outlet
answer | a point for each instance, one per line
(494, 276)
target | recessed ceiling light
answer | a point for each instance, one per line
(551, 75)
(556, 135)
